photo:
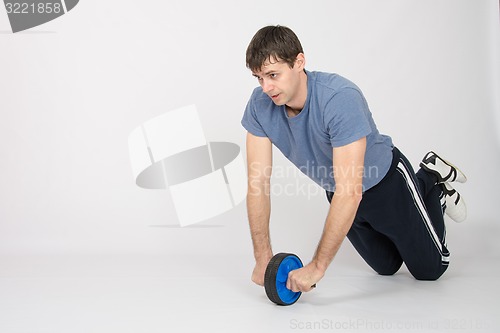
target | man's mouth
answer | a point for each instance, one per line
(275, 96)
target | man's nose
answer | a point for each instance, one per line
(266, 86)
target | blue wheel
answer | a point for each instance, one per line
(276, 276)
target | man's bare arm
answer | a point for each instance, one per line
(259, 166)
(348, 165)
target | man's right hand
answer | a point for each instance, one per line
(259, 271)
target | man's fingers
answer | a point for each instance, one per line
(258, 282)
(295, 285)
(312, 287)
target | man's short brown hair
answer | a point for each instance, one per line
(273, 43)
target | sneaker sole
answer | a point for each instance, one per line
(423, 166)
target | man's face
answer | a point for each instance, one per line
(279, 81)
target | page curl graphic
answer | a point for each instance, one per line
(205, 179)
(26, 14)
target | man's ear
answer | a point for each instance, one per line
(300, 61)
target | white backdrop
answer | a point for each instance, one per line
(73, 89)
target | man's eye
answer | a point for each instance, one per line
(273, 76)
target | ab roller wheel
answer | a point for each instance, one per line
(276, 276)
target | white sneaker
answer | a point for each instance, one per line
(444, 170)
(455, 204)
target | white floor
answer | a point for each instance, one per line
(132, 293)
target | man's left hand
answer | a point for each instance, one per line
(304, 279)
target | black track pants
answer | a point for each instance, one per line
(401, 219)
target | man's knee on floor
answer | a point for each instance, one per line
(428, 276)
(389, 269)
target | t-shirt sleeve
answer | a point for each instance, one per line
(346, 117)
(250, 121)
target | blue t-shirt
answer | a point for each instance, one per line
(334, 115)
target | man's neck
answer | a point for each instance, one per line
(298, 104)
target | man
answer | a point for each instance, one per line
(322, 124)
